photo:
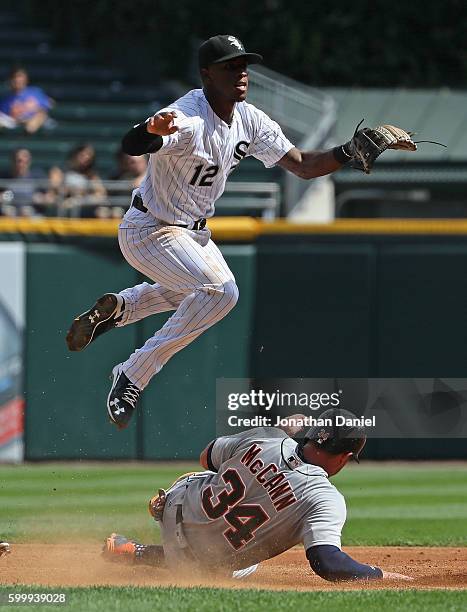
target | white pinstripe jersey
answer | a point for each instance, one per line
(188, 173)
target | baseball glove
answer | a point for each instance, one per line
(368, 144)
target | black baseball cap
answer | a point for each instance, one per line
(222, 48)
(338, 436)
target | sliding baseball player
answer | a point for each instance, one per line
(262, 494)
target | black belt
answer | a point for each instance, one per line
(138, 204)
(197, 225)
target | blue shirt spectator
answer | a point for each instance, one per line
(26, 105)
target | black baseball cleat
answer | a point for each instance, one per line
(122, 399)
(103, 316)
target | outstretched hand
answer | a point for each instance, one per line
(162, 124)
(395, 576)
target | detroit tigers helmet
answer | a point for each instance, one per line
(338, 435)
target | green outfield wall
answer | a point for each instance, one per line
(364, 306)
(361, 306)
(66, 392)
(340, 301)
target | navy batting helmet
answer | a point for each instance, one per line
(340, 433)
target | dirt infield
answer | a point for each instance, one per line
(81, 565)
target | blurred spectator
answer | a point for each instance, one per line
(81, 177)
(80, 182)
(130, 168)
(109, 212)
(26, 106)
(19, 196)
(21, 161)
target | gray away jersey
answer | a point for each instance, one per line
(262, 501)
(188, 173)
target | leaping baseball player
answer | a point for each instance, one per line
(263, 493)
(193, 145)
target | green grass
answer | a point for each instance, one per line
(217, 600)
(57, 502)
(410, 504)
(419, 504)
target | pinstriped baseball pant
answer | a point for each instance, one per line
(191, 277)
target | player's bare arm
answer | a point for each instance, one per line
(362, 150)
(309, 164)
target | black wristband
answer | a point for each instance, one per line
(342, 153)
(139, 141)
(211, 465)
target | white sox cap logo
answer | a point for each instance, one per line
(235, 43)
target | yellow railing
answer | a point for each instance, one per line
(242, 229)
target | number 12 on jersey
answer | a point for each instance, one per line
(204, 181)
(244, 519)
